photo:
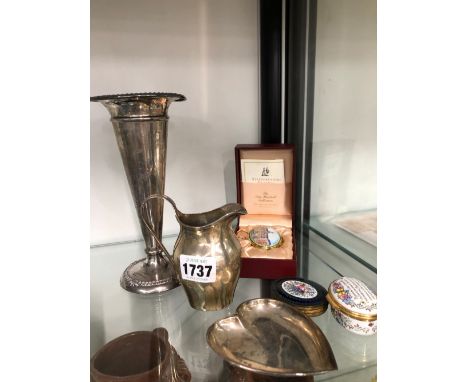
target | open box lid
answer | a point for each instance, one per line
(265, 184)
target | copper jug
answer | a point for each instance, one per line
(142, 356)
(206, 254)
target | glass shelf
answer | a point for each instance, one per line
(115, 312)
(334, 230)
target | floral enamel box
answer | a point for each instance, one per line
(354, 305)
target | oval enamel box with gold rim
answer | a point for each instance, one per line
(265, 237)
(353, 305)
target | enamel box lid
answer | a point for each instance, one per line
(300, 291)
(352, 296)
(265, 237)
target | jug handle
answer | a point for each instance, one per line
(147, 225)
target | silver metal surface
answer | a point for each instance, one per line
(269, 337)
(140, 127)
(207, 235)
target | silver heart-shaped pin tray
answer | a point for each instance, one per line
(269, 337)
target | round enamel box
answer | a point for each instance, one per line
(353, 305)
(305, 295)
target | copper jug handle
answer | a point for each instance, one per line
(147, 225)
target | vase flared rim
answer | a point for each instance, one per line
(138, 96)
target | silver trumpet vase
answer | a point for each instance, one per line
(140, 126)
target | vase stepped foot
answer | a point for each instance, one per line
(153, 274)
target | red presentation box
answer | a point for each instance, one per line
(253, 195)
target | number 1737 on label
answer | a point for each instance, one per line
(198, 268)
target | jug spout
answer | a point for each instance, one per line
(233, 210)
(207, 219)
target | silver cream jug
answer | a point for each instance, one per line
(206, 254)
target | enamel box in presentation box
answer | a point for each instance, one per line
(265, 187)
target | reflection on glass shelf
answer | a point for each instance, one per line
(355, 233)
(115, 312)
